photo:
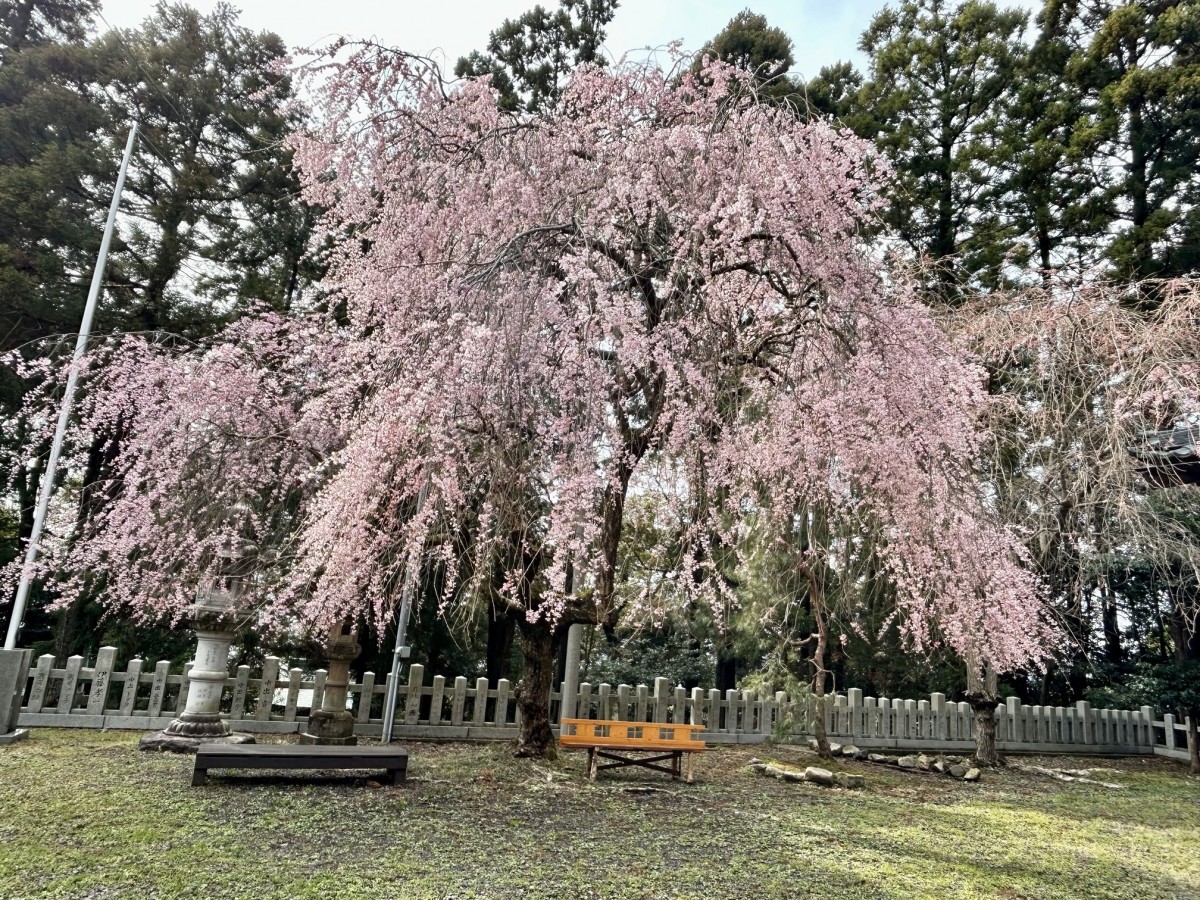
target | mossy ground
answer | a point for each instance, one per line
(85, 815)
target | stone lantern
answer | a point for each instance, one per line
(333, 723)
(214, 618)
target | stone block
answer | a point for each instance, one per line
(923, 763)
(971, 775)
(179, 743)
(817, 775)
(880, 758)
(907, 762)
(54, 720)
(13, 736)
(330, 727)
(14, 672)
(845, 779)
(958, 770)
(835, 749)
(852, 752)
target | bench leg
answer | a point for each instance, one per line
(592, 761)
(199, 777)
(688, 778)
(395, 776)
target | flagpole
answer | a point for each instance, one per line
(64, 414)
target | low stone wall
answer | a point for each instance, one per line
(96, 696)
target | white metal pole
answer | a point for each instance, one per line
(64, 414)
(412, 570)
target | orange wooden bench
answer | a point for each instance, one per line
(611, 740)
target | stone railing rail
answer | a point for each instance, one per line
(98, 696)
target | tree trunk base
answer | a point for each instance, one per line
(535, 740)
(984, 707)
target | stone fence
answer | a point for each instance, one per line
(279, 701)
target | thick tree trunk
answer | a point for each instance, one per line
(816, 597)
(726, 673)
(1113, 652)
(985, 730)
(500, 629)
(1139, 183)
(981, 694)
(534, 738)
(1044, 246)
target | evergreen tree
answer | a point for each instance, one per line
(937, 71)
(1136, 66)
(211, 193)
(26, 23)
(1046, 210)
(750, 43)
(833, 93)
(530, 57)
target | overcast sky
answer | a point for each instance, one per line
(824, 31)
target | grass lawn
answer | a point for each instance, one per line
(84, 814)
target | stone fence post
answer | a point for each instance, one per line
(14, 672)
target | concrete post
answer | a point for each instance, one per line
(1145, 726)
(14, 672)
(1084, 711)
(938, 729)
(662, 688)
(1016, 726)
(854, 702)
(570, 683)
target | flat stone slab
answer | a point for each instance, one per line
(178, 743)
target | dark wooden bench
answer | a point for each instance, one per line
(612, 740)
(291, 756)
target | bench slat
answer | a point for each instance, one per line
(283, 756)
(630, 735)
(309, 751)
